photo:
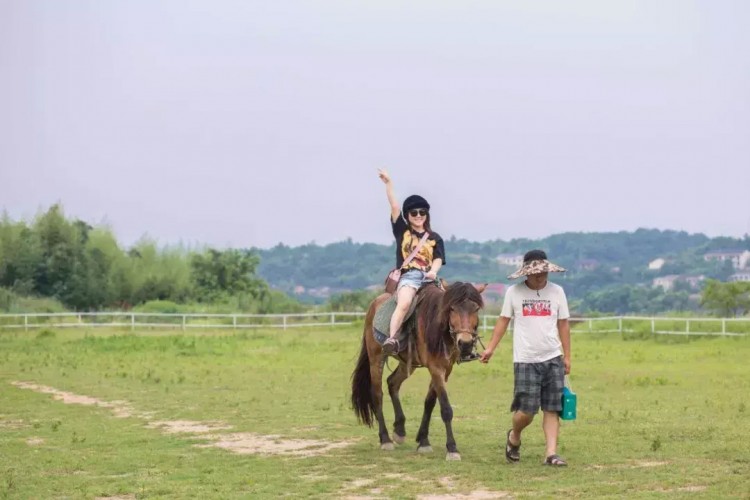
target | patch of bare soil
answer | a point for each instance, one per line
(120, 409)
(684, 489)
(188, 426)
(12, 424)
(245, 443)
(241, 443)
(632, 465)
(474, 495)
(34, 441)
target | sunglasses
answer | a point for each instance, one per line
(420, 211)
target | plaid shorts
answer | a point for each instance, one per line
(538, 384)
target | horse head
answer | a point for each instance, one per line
(460, 315)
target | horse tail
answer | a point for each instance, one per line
(362, 400)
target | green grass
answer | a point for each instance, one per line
(657, 417)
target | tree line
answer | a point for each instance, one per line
(84, 268)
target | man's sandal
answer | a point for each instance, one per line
(555, 461)
(390, 346)
(512, 452)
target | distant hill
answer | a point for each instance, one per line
(597, 263)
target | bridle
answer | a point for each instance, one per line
(475, 337)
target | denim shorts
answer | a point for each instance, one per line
(413, 278)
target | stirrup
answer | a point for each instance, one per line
(391, 346)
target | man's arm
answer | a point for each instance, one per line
(563, 328)
(501, 326)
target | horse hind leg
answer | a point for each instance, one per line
(395, 380)
(376, 377)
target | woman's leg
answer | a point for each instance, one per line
(405, 296)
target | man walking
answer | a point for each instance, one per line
(541, 352)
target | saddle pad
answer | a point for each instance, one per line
(382, 321)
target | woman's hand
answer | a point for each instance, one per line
(383, 174)
(432, 276)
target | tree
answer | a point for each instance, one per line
(224, 273)
(726, 299)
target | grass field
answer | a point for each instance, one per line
(657, 418)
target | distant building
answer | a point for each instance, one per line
(666, 282)
(738, 258)
(494, 292)
(743, 276)
(299, 290)
(693, 281)
(587, 264)
(656, 264)
(510, 259)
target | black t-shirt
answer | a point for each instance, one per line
(407, 240)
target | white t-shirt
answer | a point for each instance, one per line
(535, 335)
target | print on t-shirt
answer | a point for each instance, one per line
(532, 307)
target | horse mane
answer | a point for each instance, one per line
(435, 312)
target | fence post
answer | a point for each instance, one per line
(333, 318)
(283, 323)
(79, 319)
(590, 325)
(484, 323)
(723, 326)
(184, 320)
(687, 326)
(653, 326)
(26, 322)
(132, 322)
(234, 321)
(619, 325)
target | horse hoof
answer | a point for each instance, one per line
(424, 449)
(399, 439)
(453, 456)
(387, 447)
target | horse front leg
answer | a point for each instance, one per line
(376, 378)
(446, 413)
(394, 385)
(424, 428)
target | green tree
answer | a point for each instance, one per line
(218, 274)
(726, 299)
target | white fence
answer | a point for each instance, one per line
(132, 320)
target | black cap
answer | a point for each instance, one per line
(414, 201)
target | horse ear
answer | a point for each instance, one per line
(481, 288)
(444, 284)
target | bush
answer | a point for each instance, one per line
(161, 307)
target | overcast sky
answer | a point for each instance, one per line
(248, 123)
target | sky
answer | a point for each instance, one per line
(250, 123)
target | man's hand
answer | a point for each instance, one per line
(383, 174)
(566, 362)
(485, 357)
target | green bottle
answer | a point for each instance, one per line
(568, 411)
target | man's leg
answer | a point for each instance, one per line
(521, 420)
(551, 426)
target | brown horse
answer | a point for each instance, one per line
(443, 328)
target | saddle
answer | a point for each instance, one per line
(381, 324)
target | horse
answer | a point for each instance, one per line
(444, 329)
